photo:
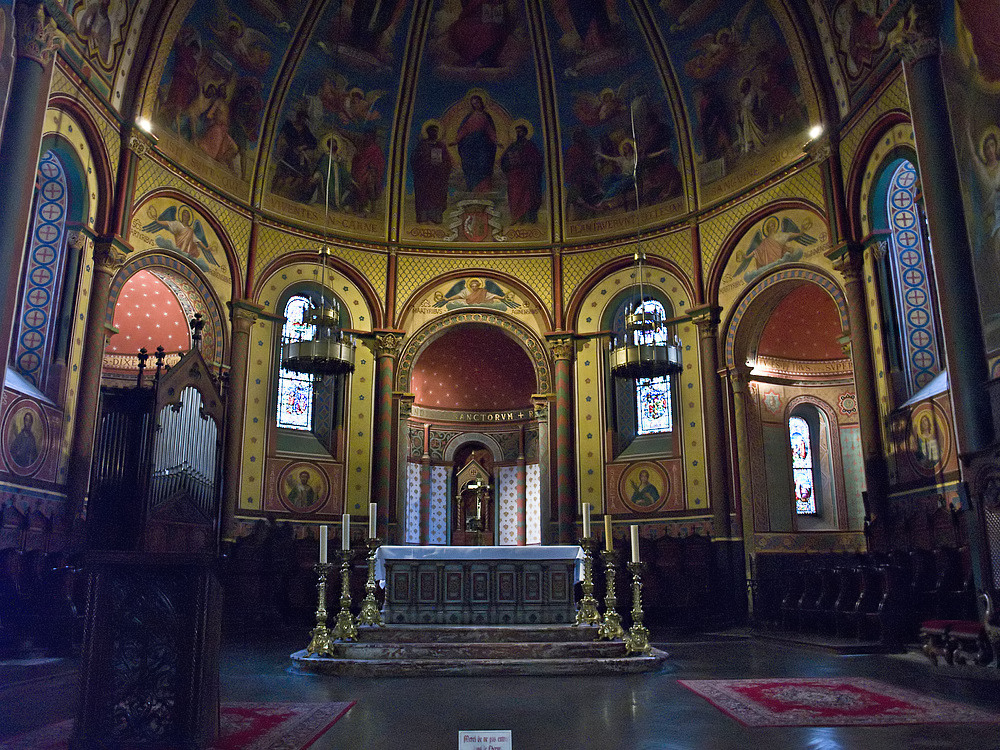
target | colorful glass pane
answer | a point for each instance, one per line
(802, 465)
(653, 407)
(295, 390)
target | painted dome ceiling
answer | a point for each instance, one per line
(501, 122)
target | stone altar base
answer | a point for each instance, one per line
(518, 650)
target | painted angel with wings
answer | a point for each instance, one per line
(593, 109)
(478, 293)
(188, 234)
(249, 47)
(774, 243)
(716, 49)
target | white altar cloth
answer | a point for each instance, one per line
(456, 553)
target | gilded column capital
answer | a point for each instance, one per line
(110, 255)
(405, 403)
(819, 149)
(138, 141)
(848, 259)
(707, 319)
(915, 34)
(244, 314)
(562, 346)
(388, 343)
(540, 403)
(34, 32)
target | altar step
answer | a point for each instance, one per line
(420, 650)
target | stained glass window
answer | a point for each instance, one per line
(802, 466)
(295, 390)
(653, 405)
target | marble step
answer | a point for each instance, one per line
(477, 634)
(302, 662)
(546, 650)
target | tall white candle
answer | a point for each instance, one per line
(372, 520)
(586, 520)
(635, 542)
(324, 539)
(607, 533)
(345, 539)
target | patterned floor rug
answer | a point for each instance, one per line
(804, 702)
(244, 726)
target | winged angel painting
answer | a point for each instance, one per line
(476, 293)
(187, 236)
(777, 241)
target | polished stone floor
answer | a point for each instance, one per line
(637, 712)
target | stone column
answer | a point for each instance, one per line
(728, 547)
(398, 532)
(540, 403)
(387, 347)
(109, 256)
(425, 489)
(738, 383)
(522, 491)
(848, 259)
(31, 77)
(563, 351)
(243, 315)
(915, 37)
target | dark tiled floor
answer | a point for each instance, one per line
(623, 713)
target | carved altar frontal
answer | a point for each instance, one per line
(479, 585)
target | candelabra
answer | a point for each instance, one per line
(345, 629)
(637, 638)
(321, 642)
(370, 614)
(611, 625)
(587, 614)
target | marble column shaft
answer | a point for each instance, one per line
(563, 350)
(387, 345)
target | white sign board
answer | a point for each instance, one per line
(484, 739)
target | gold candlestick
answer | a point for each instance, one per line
(345, 629)
(611, 625)
(321, 642)
(370, 614)
(587, 614)
(637, 639)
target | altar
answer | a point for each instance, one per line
(479, 585)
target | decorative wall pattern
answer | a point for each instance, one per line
(893, 98)
(438, 524)
(507, 503)
(533, 505)
(413, 271)
(412, 514)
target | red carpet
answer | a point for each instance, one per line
(803, 702)
(244, 726)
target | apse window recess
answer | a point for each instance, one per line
(654, 410)
(295, 390)
(803, 471)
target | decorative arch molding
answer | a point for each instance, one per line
(587, 286)
(523, 335)
(235, 272)
(786, 274)
(306, 256)
(91, 150)
(881, 139)
(894, 142)
(473, 437)
(540, 313)
(301, 271)
(214, 334)
(738, 232)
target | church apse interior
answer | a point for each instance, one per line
(479, 197)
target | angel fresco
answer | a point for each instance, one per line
(716, 49)
(187, 234)
(592, 30)
(774, 244)
(248, 46)
(100, 23)
(476, 293)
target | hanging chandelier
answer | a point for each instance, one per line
(644, 348)
(320, 346)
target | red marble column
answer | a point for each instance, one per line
(563, 351)
(387, 347)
